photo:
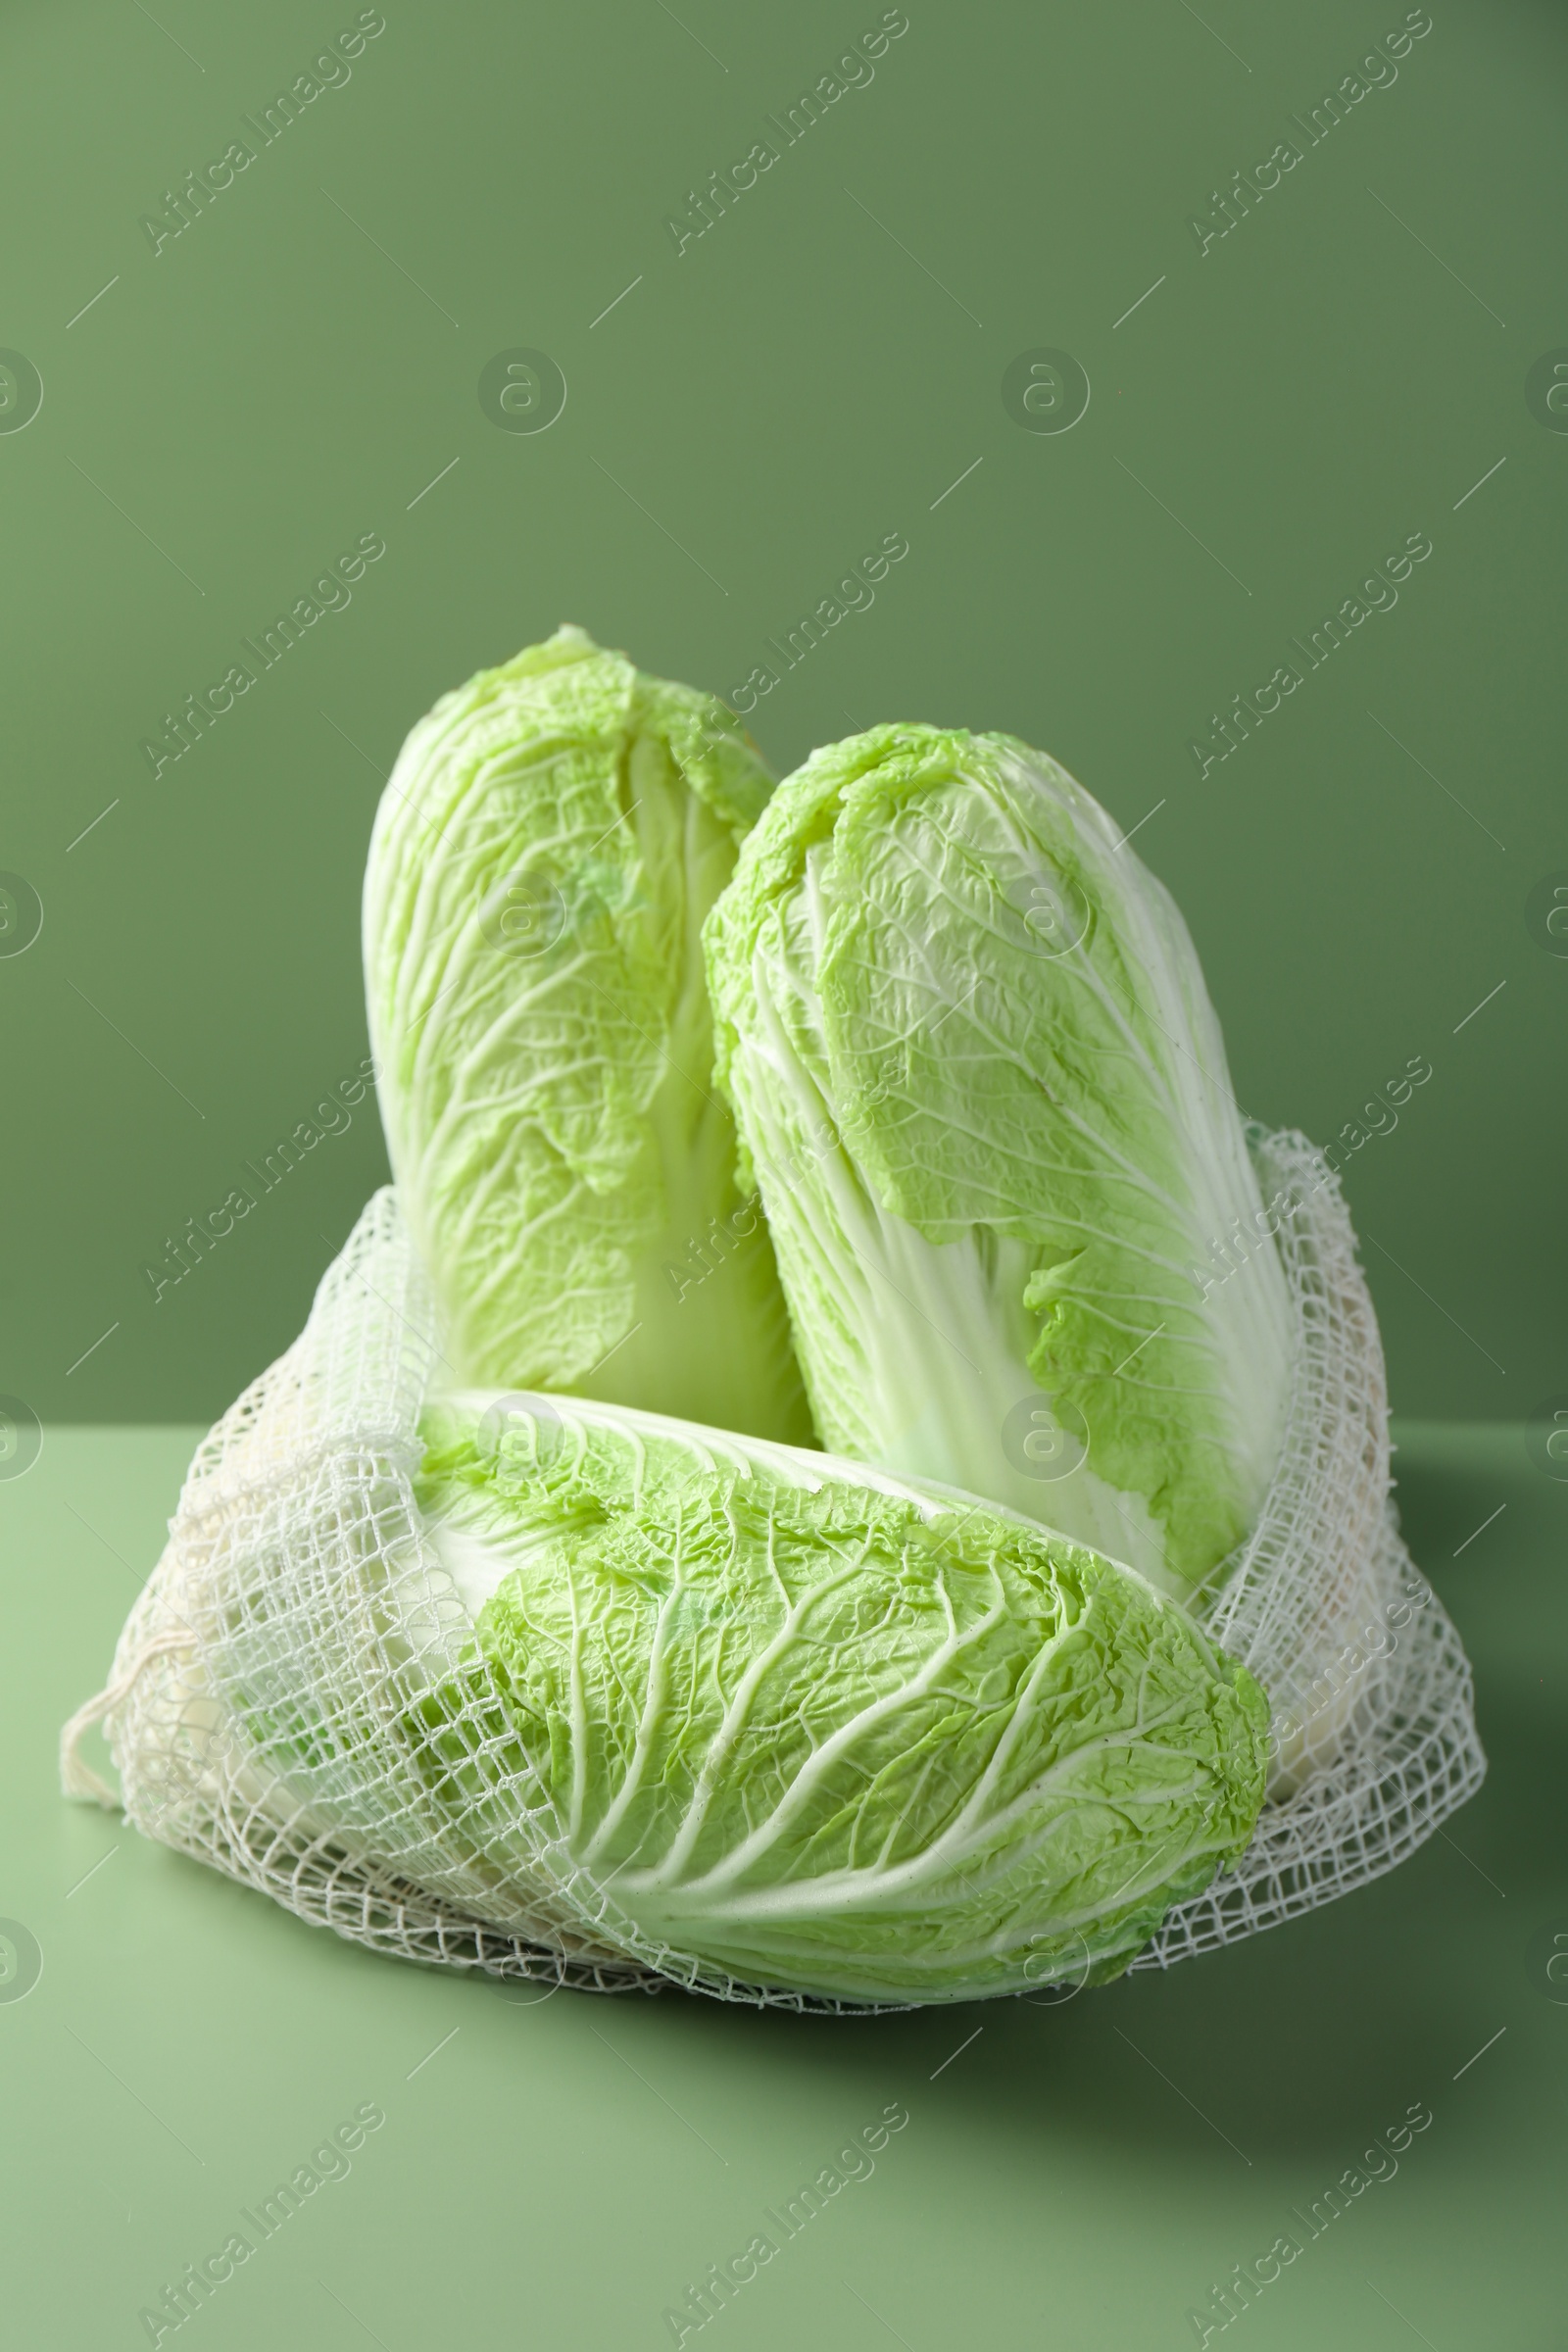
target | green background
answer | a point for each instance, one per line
(823, 368)
(1074, 2179)
(756, 412)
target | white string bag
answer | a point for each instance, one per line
(1368, 1682)
(298, 1593)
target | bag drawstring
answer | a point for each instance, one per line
(78, 1778)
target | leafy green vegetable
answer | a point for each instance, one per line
(550, 841)
(984, 1093)
(815, 1727)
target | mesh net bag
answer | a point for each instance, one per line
(1370, 1687)
(259, 1706)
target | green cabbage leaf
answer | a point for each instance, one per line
(984, 1093)
(812, 1725)
(550, 841)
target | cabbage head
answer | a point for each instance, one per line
(550, 841)
(811, 1724)
(984, 1095)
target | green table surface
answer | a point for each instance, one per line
(561, 2169)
